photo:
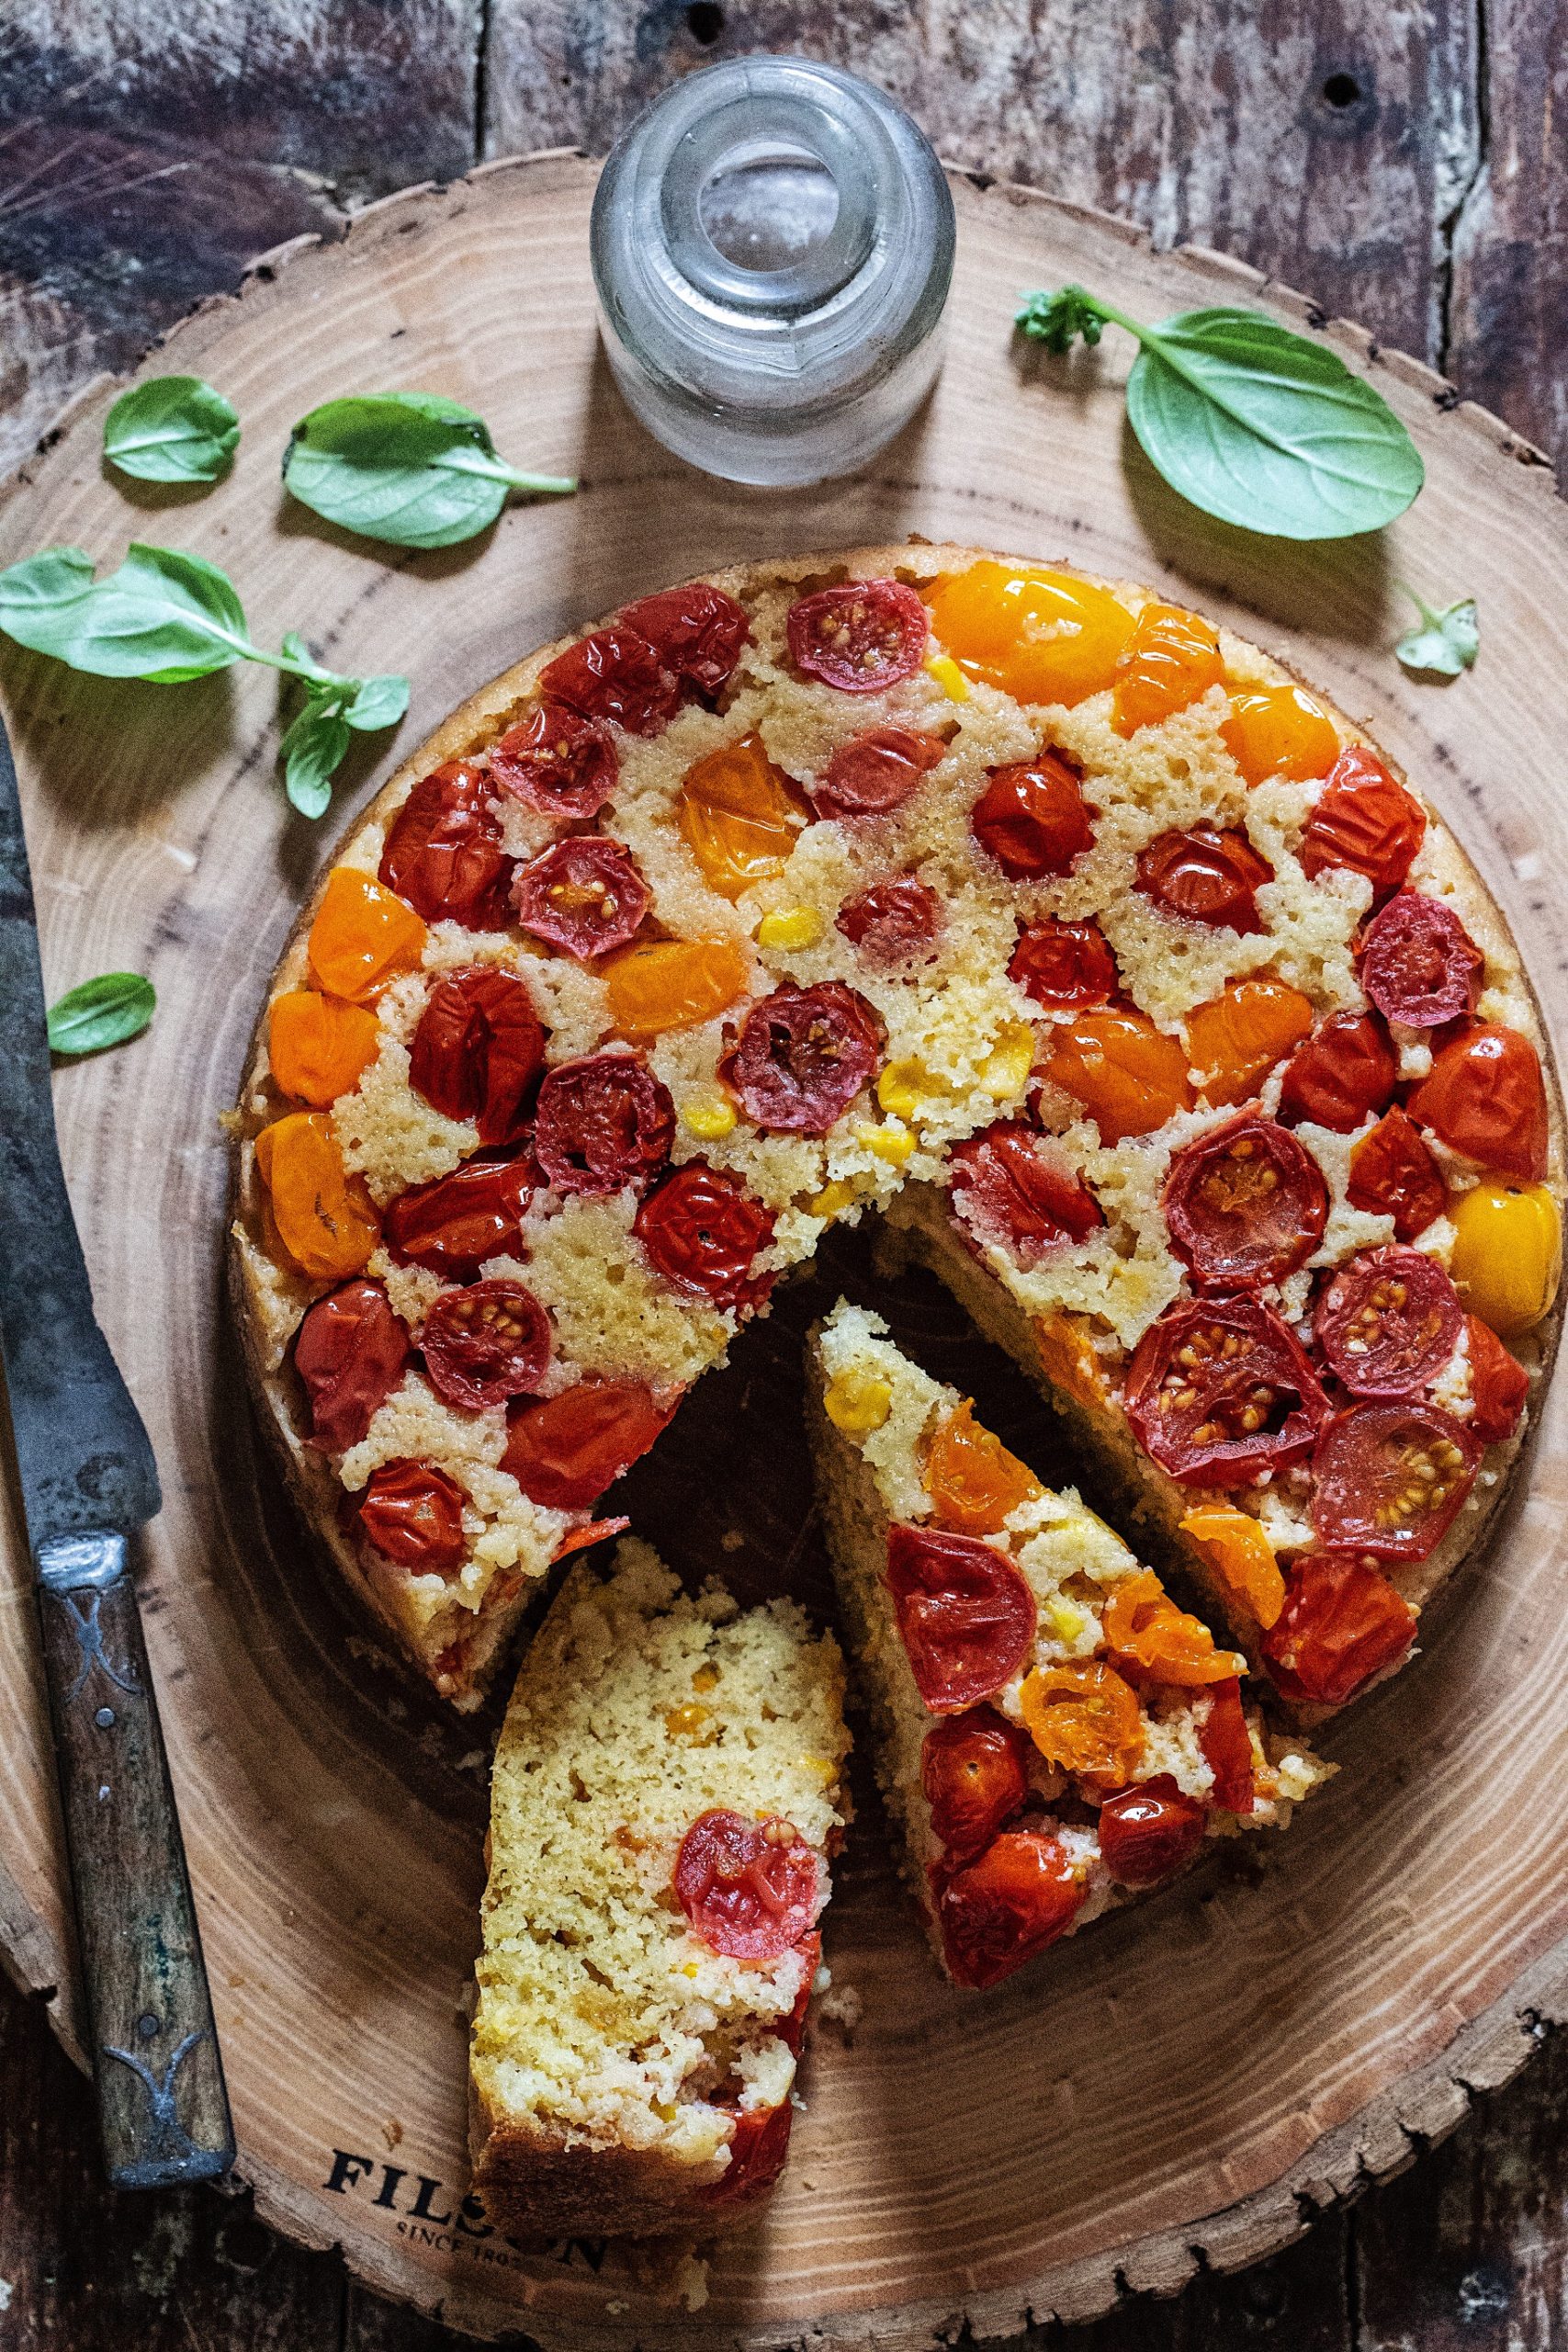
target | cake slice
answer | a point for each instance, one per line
(1054, 1735)
(665, 1800)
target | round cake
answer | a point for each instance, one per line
(1168, 1023)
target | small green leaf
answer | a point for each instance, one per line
(411, 467)
(175, 428)
(104, 1012)
(380, 702)
(163, 615)
(1447, 641)
(1057, 319)
(311, 751)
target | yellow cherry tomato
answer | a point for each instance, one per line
(318, 1047)
(1280, 731)
(1041, 636)
(673, 984)
(1239, 1555)
(741, 816)
(363, 936)
(324, 1217)
(974, 1484)
(1172, 657)
(1129, 1076)
(1508, 1256)
(1235, 1040)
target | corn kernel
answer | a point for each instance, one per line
(688, 1968)
(1067, 1620)
(857, 1402)
(833, 1198)
(709, 1117)
(948, 675)
(822, 1766)
(690, 1723)
(790, 927)
(1005, 1070)
(893, 1144)
(705, 1678)
(905, 1088)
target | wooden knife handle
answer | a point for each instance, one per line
(162, 2108)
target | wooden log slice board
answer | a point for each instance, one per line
(1190, 2082)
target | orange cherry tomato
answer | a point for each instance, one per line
(974, 1484)
(1233, 1041)
(318, 1046)
(1085, 1717)
(1238, 1554)
(741, 816)
(363, 936)
(1147, 1635)
(1032, 818)
(1280, 731)
(1226, 1744)
(673, 984)
(1485, 1096)
(1128, 1076)
(324, 1216)
(1393, 1174)
(1172, 657)
(1042, 636)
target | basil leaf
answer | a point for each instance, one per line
(1446, 641)
(411, 467)
(380, 702)
(175, 428)
(163, 615)
(311, 751)
(104, 1012)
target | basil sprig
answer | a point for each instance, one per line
(1446, 642)
(104, 1012)
(168, 617)
(173, 429)
(411, 467)
(1249, 422)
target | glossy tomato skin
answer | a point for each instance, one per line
(966, 1615)
(702, 1231)
(876, 773)
(616, 675)
(698, 632)
(1245, 1204)
(859, 638)
(1227, 1746)
(564, 1450)
(1393, 1174)
(485, 1344)
(603, 1122)
(802, 1057)
(556, 763)
(1205, 876)
(455, 1223)
(477, 1050)
(583, 897)
(1387, 1323)
(1419, 965)
(1182, 1387)
(1342, 1625)
(351, 1352)
(1485, 1096)
(1150, 1831)
(1364, 821)
(1032, 818)
(1067, 967)
(758, 2149)
(1127, 1076)
(974, 1776)
(895, 924)
(1347, 1071)
(1010, 1188)
(1498, 1385)
(1012, 1901)
(413, 1513)
(751, 1889)
(1390, 1478)
(443, 854)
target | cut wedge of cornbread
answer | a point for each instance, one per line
(665, 1800)
(1053, 1736)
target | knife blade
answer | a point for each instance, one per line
(88, 1481)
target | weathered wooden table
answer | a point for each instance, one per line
(1397, 165)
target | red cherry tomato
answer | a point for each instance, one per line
(1227, 1746)
(584, 896)
(1007, 1905)
(1485, 1096)
(1205, 876)
(1065, 965)
(698, 632)
(1346, 1069)
(1419, 965)
(485, 1344)
(975, 1775)
(350, 1351)
(556, 762)
(453, 1225)
(603, 1122)
(1387, 1323)
(1246, 1205)
(1011, 1188)
(702, 1231)
(1032, 818)
(1213, 1413)
(758, 2148)
(565, 1451)
(876, 773)
(965, 1614)
(616, 675)
(802, 1057)
(751, 1889)
(893, 923)
(413, 1513)
(1391, 1480)
(1150, 1831)
(478, 1047)
(443, 854)
(860, 638)
(1498, 1385)
(1393, 1174)
(1363, 820)
(1341, 1624)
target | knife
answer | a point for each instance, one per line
(88, 1482)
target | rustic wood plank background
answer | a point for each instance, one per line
(1401, 164)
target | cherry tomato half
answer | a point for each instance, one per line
(485, 1344)
(876, 773)
(1246, 1205)
(1347, 1070)
(1498, 1385)
(892, 923)
(1172, 657)
(478, 1049)
(1205, 876)
(1226, 1745)
(603, 1122)
(1387, 1323)
(584, 897)
(1220, 1391)
(974, 1776)
(1365, 822)
(966, 1615)
(698, 632)
(802, 1057)
(1419, 965)
(617, 675)
(318, 1046)
(1279, 731)
(443, 853)
(1067, 967)
(860, 638)
(1043, 637)
(350, 1351)
(1011, 1188)
(1485, 1096)
(556, 763)
(974, 1484)
(751, 1889)
(1085, 1717)
(1391, 1480)
(1235, 1040)
(565, 1451)
(702, 1231)
(1127, 1075)
(1393, 1174)
(1341, 1624)
(413, 1513)
(758, 2147)
(1010, 1903)
(1033, 817)
(455, 1223)
(1150, 1831)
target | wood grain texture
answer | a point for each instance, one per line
(1099, 2130)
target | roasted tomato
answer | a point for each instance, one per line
(1012, 1190)
(1127, 1075)
(965, 1614)
(1393, 1174)
(1508, 1256)
(486, 1344)
(1151, 1640)
(1485, 1096)
(698, 632)
(1387, 1323)
(1341, 1624)
(413, 1513)
(751, 1889)
(702, 1231)
(324, 1217)
(1011, 1902)
(1218, 1392)
(1390, 1478)
(1042, 636)
(741, 816)
(1149, 1832)
(453, 1225)
(1419, 965)
(974, 1484)
(1226, 1745)
(1205, 876)
(1280, 731)
(758, 2147)
(1348, 1070)
(443, 853)
(615, 673)
(1365, 822)
(1172, 657)
(351, 1352)
(974, 1776)
(363, 936)
(478, 1049)
(874, 773)
(1068, 967)
(802, 1057)
(1246, 1205)
(673, 984)
(565, 1451)
(1238, 1554)
(860, 638)
(318, 1046)
(583, 897)
(1498, 1385)
(892, 923)
(1032, 818)
(1235, 1040)
(1085, 1717)
(556, 763)
(603, 1122)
